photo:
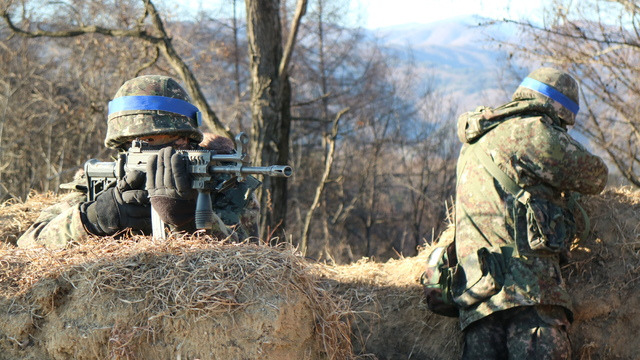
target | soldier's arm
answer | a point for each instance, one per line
(57, 225)
(557, 159)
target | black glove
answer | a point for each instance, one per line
(170, 191)
(124, 206)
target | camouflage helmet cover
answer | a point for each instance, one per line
(553, 87)
(128, 122)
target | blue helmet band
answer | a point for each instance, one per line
(551, 93)
(160, 103)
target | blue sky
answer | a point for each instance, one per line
(382, 13)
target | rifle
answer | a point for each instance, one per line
(203, 164)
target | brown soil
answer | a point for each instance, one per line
(191, 298)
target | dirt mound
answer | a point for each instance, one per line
(604, 279)
(192, 298)
(391, 320)
(186, 298)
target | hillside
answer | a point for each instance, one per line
(459, 56)
(192, 298)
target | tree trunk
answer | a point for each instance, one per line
(270, 109)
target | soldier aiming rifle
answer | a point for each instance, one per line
(164, 171)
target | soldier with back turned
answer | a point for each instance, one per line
(519, 172)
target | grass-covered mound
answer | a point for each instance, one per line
(188, 297)
(191, 297)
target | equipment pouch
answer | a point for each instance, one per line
(472, 125)
(550, 227)
(436, 280)
(480, 277)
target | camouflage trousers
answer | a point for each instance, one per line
(528, 332)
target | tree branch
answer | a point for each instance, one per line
(82, 30)
(331, 139)
(166, 46)
(283, 69)
(582, 36)
(162, 42)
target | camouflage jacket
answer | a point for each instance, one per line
(491, 226)
(235, 216)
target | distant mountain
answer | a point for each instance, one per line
(457, 53)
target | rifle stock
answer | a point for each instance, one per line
(203, 164)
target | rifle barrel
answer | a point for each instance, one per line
(273, 170)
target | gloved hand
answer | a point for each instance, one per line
(170, 191)
(124, 206)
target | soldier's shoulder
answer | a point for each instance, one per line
(527, 125)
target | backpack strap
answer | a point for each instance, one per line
(519, 193)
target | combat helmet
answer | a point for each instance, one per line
(552, 87)
(151, 105)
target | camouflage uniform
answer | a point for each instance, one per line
(57, 225)
(236, 209)
(534, 332)
(500, 275)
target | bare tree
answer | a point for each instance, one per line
(270, 103)
(598, 42)
(44, 98)
(329, 158)
(361, 207)
(57, 95)
(215, 46)
(324, 74)
(429, 163)
(155, 34)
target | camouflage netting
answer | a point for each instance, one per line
(189, 298)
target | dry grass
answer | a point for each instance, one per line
(391, 319)
(603, 277)
(186, 274)
(614, 243)
(377, 305)
(16, 216)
